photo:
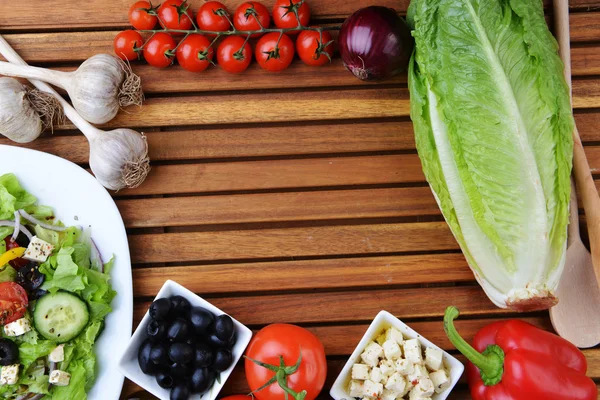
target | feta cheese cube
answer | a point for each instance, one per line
(397, 383)
(38, 250)
(387, 368)
(376, 375)
(58, 354)
(392, 350)
(9, 374)
(414, 395)
(419, 372)
(404, 366)
(412, 351)
(373, 352)
(372, 389)
(424, 387)
(360, 372)
(18, 327)
(356, 389)
(434, 358)
(394, 334)
(59, 378)
(440, 381)
(389, 395)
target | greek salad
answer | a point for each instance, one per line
(54, 296)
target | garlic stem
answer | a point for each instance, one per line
(56, 78)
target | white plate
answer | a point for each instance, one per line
(78, 199)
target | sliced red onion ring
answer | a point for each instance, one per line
(26, 232)
(17, 226)
(40, 223)
(31, 396)
(96, 256)
(5, 222)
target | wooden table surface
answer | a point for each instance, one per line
(295, 197)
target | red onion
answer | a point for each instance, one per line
(44, 225)
(375, 43)
(17, 226)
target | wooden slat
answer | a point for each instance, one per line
(293, 242)
(313, 274)
(585, 60)
(585, 27)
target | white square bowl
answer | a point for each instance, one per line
(129, 366)
(383, 321)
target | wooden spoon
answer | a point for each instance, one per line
(577, 315)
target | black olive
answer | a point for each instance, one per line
(181, 353)
(201, 320)
(160, 309)
(147, 366)
(159, 354)
(164, 380)
(30, 277)
(180, 371)
(203, 379)
(224, 328)
(179, 330)
(180, 392)
(203, 357)
(157, 330)
(180, 306)
(223, 360)
(36, 294)
(9, 352)
(214, 341)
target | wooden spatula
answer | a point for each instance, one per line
(577, 315)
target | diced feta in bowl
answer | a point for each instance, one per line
(394, 362)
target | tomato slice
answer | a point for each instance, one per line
(13, 302)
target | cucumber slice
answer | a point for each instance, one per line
(60, 316)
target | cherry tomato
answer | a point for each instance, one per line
(212, 16)
(142, 15)
(13, 302)
(194, 53)
(126, 43)
(287, 341)
(285, 17)
(159, 50)
(174, 14)
(17, 263)
(313, 48)
(234, 54)
(271, 56)
(248, 15)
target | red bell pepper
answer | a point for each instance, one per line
(514, 360)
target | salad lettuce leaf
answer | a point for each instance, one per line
(493, 126)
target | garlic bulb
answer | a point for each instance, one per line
(98, 88)
(25, 112)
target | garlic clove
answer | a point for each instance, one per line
(18, 119)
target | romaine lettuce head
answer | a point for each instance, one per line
(493, 127)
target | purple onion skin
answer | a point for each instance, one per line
(375, 43)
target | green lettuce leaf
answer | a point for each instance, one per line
(493, 125)
(12, 196)
(77, 385)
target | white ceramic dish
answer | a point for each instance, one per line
(129, 361)
(78, 199)
(383, 321)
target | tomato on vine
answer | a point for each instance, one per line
(213, 16)
(142, 15)
(127, 44)
(315, 49)
(234, 54)
(158, 51)
(195, 53)
(274, 53)
(250, 16)
(284, 13)
(174, 14)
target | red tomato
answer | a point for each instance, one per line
(287, 341)
(249, 14)
(142, 15)
(285, 17)
(13, 302)
(315, 49)
(272, 56)
(212, 16)
(194, 53)
(159, 50)
(174, 14)
(126, 44)
(234, 54)
(17, 263)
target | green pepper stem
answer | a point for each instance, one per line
(490, 362)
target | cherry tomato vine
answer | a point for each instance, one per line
(251, 20)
